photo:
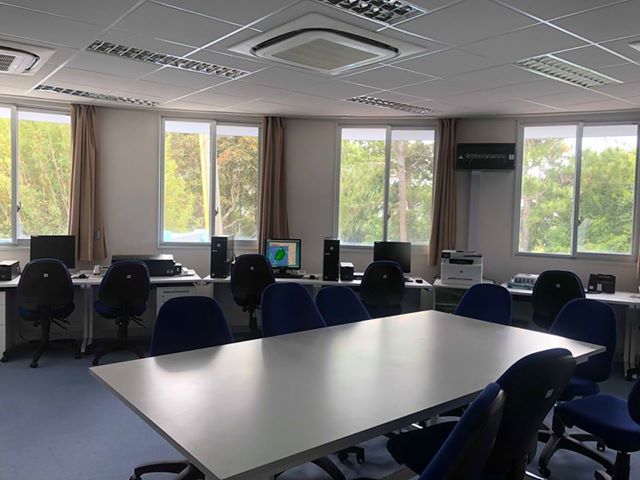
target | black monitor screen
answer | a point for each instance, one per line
(399, 252)
(60, 247)
(284, 254)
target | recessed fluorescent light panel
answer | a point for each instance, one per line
(381, 102)
(386, 11)
(635, 45)
(556, 68)
(162, 59)
(96, 96)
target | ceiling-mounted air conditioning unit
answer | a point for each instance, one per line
(22, 59)
(321, 44)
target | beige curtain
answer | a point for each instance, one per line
(85, 219)
(273, 193)
(443, 229)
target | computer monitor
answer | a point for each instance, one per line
(60, 247)
(399, 252)
(284, 254)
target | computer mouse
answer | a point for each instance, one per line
(83, 275)
(419, 280)
(312, 277)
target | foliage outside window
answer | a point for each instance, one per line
(578, 189)
(42, 178)
(385, 189)
(193, 161)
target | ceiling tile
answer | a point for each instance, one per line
(161, 90)
(167, 23)
(386, 78)
(241, 12)
(447, 63)
(623, 90)
(525, 43)
(475, 100)
(528, 89)
(189, 106)
(592, 57)
(629, 72)
(210, 97)
(518, 107)
(426, 44)
(183, 78)
(25, 82)
(35, 26)
(398, 97)
(565, 99)
(430, 5)
(611, 104)
(494, 77)
(429, 90)
(97, 12)
(98, 81)
(622, 47)
(227, 60)
(97, 62)
(467, 22)
(608, 23)
(145, 43)
(548, 9)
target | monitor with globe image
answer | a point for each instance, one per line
(284, 254)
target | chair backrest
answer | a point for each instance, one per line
(590, 321)
(488, 302)
(288, 308)
(634, 402)
(189, 323)
(382, 288)
(250, 275)
(125, 285)
(552, 291)
(464, 454)
(339, 305)
(532, 386)
(45, 284)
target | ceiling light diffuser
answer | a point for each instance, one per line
(381, 102)
(96, 96)
(556, 68)
(386, 11)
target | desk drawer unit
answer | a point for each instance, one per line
(164, 294)
(3, 321)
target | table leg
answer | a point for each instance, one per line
(628, 340)
(87, 317)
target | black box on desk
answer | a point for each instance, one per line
(9, 269)
(159, 265)
(222, 255)
(331, 260)
(346, 271)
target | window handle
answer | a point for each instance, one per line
(216, 211)
(19, 206)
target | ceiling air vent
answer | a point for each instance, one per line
(324, 45)
(557, 68)
(21, 59)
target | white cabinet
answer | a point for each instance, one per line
(164, 294)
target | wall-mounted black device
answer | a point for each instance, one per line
(222, 255)
(9, 269)
(331, 260)
(486, 156)
(346, 271)
(601, 283)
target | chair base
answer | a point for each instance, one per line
(359, 452)
(328, 466)
(120, 345)
(184, 470)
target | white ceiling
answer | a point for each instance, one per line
(464, 66)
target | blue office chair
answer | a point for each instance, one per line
(288, 308)
(612, 420)
(339, 305)
(122, 297)
(589, 321)
(552, 291)
(250, 275)
(183, 324)
(382, 289)
(488, 302)
(464, 453)
(45, 297)
(532, 385)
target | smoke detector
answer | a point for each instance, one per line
(22, 59)
(321, 44)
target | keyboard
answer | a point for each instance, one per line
(289, 275)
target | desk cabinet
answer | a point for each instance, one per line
(3, 321)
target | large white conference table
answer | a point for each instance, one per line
(250, 410)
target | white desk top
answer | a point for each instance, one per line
(324, 283)
(252, 409)
(618, 298)
(439, 283)
(94, 280)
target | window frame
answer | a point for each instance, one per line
(16, 241)
(575, 254)
(242, 243)
(422, 248)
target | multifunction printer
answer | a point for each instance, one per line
(460, 267)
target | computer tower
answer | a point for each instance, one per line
(222, 255)
(331, 260)
(9, 269)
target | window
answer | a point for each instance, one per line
(386, 179)
(35, 177)
(578, 189)
(199, 154)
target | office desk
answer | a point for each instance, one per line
(252, 409)
(319, 282)
(86, 307)
(629, 299)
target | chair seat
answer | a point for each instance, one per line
(63, 312)
(415, 449)
(110, 312)
(579, 387)
(604, 416)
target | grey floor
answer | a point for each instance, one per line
(59, 423)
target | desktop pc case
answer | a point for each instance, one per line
(158, 265)
(331, 260)
(222, 255)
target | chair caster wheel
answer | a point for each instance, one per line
(360, 457)
(343, 457)
(95, 362)
(33, 364)
(544, 471)
(601, 447)
(134, 477)
(4, 359)
(628, 376)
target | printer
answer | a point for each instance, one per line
(159, 265)
(460, 267)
